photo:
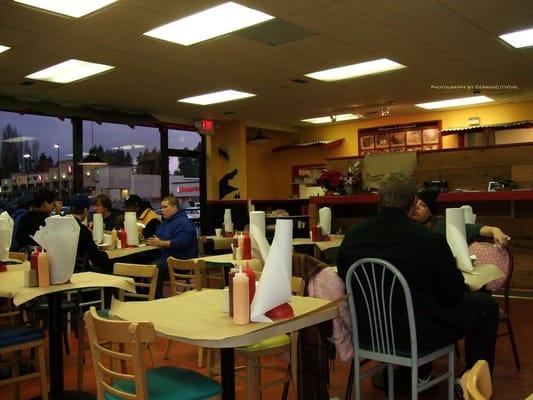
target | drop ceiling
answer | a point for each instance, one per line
(442, 42)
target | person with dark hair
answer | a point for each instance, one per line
(426, 213)
(103, 206)
(79, 209)
(176, 237)
(23, 207)
(145, 214)
(43, 203)
(444, 311)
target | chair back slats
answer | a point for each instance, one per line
(113, 344)
(16, 255)
(379, 287)
(185, 274)
(144, 276)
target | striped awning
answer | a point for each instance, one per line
(476, 128)
(316, 143)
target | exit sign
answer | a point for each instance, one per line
(205, 126)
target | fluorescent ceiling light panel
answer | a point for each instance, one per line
(331, 118)
(519, 39)
(356, 70)
(216, 97)
(463, 101)
(4, 48)
(213, 22)
(69, 71)
(71, 8)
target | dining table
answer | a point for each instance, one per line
(12, 286)
(198, 318)
(129, 251)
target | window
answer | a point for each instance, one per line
(134, 161)
(30, 148)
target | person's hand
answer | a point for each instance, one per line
(154, 241)
(500, 238)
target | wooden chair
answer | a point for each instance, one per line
(504, 311)
(15, 339)
(185, 275)
(145, 277)
(145, 280)
(476, 382)
(117, 349)
(274, 346)
(16, 255)
(215, 272)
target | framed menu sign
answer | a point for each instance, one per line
(416, 136)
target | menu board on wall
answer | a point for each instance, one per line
(416, 136)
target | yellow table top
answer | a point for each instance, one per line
(12, 285)
(197, 317)
(117, 253)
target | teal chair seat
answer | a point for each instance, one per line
(166, 383)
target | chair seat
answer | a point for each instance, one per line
(172, 383)
(12, 335)
(269, 343)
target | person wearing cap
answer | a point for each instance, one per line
(79, 209)
(426, 213)
(145, 214)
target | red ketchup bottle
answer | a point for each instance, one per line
(251, 282)
(247, 247)
(123, 238)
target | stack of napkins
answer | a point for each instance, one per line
(324, 217)
(6, 234)
(260, 246)
(274, 287)
(59, 237)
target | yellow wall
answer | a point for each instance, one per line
(267, 175)
(230, 136)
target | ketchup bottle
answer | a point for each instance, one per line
(251, 282)
(123, 238)
(247, 247)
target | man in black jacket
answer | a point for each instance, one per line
(43, 203)
(444, 311)
(79, 206)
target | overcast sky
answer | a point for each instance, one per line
(51, 130)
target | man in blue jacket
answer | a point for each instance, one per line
(176, 237)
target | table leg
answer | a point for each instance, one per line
(227, 371)
(55, 343)
(55, 338)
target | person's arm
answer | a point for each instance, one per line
(496, 234)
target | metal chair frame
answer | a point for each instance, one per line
(370, 275)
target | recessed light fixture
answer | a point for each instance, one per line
(208, 24)
(70, 8)
(332, 118)
(69, 71)
(4, 48)
(356, 70)
(463, 101)
(519, 39)
(216, 97)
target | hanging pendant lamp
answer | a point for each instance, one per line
(92, 159)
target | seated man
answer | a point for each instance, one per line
(426, 213)
(145, 214)
(176, 237)
(109, 214)
(444, 312)
(43, 203)
(79, 208)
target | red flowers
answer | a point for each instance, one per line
(330, 180)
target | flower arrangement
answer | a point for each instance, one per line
(352, 178)
(330, 180)
(341, 183)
